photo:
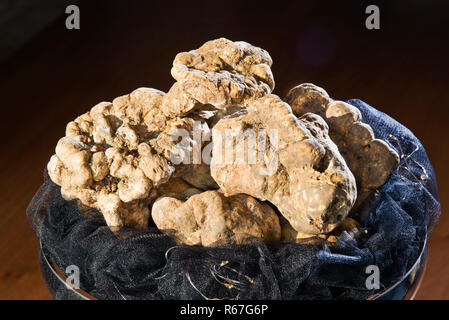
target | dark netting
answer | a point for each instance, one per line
(132, 264)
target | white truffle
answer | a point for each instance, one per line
(209, 219)
(106, 160)
(309, 181)
(370, 160)
(221, 73)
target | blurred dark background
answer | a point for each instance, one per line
(50, 74)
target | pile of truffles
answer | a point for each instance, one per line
(119, 157)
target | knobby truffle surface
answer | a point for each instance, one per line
(304, 175)
(106, 160)
(210, 218)
(223, 73)
(370, 160)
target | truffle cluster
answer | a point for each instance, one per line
(320, 163)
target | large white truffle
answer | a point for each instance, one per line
(309, 181)
(106, 160)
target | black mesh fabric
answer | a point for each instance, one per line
(131, 264)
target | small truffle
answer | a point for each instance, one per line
(210, 218)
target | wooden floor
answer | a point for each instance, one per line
(60, 74)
